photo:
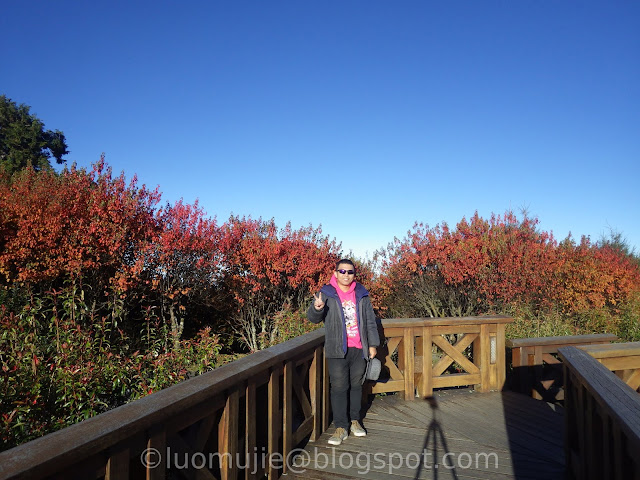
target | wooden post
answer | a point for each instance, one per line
(326, 394)
(425, 388)
(409, 362)
(538, 369)
(287, 412)
(250, 431)
(569, 422)
(501, 364)
(228, 437)
(118, 465)
(157, 442)
(315, 392)
(485, 358)
(274, 424)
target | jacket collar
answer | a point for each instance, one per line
(360, 291)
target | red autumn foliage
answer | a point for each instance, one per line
(181, 263)
(589, 276)
(268, 270)
(61, 226)
(483, 265)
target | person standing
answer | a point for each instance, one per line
(351, 338)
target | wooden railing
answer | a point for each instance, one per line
(412, 346)
(248, 414)
(536, 370)
(623, 359)
(602, 418)
(245, 418)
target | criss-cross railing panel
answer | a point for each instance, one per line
(417, 354)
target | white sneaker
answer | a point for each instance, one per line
(357, 429)
(338, 437)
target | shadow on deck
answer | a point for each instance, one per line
(457, 433)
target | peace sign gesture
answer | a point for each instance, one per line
(318, 303)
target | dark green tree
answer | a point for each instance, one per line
(23, 140)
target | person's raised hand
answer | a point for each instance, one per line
(318, 303)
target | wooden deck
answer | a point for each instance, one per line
(497, 435)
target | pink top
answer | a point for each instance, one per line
(349, 307)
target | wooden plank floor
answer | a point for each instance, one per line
(458, 434)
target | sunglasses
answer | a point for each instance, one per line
(346, 272)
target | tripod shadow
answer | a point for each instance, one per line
(431, 446)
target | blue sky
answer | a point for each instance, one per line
(360, 116)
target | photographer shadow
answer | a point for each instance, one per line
(434, 446)
(434, 443)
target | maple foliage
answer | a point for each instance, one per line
(109, 240)
(269, 269)
(74, 224)
(181, 263)
(485, 265)
(590, 276)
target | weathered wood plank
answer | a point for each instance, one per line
(447, 423)
(620, 363)
(409, 356)
(118, 465)
(287, 411)
(250, 434)
(613, 350)
(425, 386)
(228, 437)
(443, 321)
(315, 392)
(561, 341)
(274, 425)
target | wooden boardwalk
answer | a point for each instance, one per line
(458, 434)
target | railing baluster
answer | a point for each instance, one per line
(274, 421)
(326, 402)
(118, 465)
(228, 437)
(409, 362)
(315, 392)
(426, 385)
(250, 448)
(501, 364)
(156, 461)
(485, 358)
(287, 412)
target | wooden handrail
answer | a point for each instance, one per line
(623, 359)
(536, 370)
(445, 321)
(602, 420)
(186, 415)
(595, 338)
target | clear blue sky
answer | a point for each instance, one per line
(360, 116)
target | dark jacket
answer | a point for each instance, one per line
(335, 345)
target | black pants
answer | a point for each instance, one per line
(345, 376)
